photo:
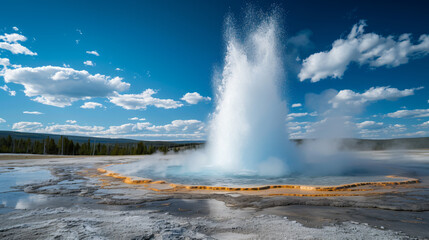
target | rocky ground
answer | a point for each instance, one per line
(78, 203)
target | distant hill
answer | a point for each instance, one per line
(344, 144)
(81, 139)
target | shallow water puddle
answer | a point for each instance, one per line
(12, 198)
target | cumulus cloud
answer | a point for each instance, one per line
(416, 113)
(91, 105)
(11, 43)
(119, 69)
(177, 129)
(351, 98)
(369, 48)
(89, 63)
(2, 120)
(60, 87)
(4, 62)
(71, 129)
(15, 28)
(33, 112)
(338, 108)
(369, 125)
(179, 125)
(194, 98)
(95, 53)
(26, 126)
(143, 100)
(295, 105)
(137, 119)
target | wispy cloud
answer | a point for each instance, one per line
(416, 113)
(10, 42)
(32, 112)
(137, 119)
(95, 53)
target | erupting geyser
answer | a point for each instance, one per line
(247, 131)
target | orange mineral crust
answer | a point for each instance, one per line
(353, 189)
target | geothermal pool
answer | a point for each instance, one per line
(177, 169)
(175, 174)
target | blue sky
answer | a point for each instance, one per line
(144, 69)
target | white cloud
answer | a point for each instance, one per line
(4, 62)
(183, 129)
(59, 86)
(368, 48)
(179, 125)
(414, 134)
(13, 38)
(369, 125)
(2, 120)
(378, 130)
(127, 128)
(89, 63)
(137, 119)
(194, 98)
(93, 53)
(7, 89)
(295, 105)
(33, 112)
(91, 105)
(425, 124)
(71, 129)
(291, 116)
(142, 100)
(349, 97)
(295, 128)
(15, 28)
(10, 42)
(71, 121)
(416, 113)
(119, 69)
(26, 126)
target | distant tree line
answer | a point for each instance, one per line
(64, 146)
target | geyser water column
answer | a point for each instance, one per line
(247, 131)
